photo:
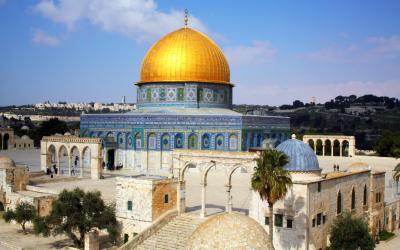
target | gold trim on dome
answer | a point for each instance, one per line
(185, 55)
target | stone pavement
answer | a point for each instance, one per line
(392, 244)
(11, 237)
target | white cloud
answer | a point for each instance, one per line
(41, 37)
(139, 19)
(277, 94)
(365, 51)
(259, 52)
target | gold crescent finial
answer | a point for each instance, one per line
(186, 17)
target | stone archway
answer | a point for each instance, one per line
(345, 148)
(312, 144)
(6, 138)
(328, 148)
(336, 148)
(64, 160)
(86, 162)
(319, 148)
(228, 186)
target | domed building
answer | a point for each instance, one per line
(184, 101)
(302, 219)
(229, 231)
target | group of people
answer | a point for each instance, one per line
(50, 172)
(111, 166)
(335, 167)
(55, 168)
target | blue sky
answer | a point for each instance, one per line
(278, 51)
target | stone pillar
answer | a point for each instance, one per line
(92, 241)
(81, 166)
(181, 197)
(314, 146)
(203, 200)
(58, 165)
(340, 146)
(69, 165)
(332, 148)
(228, 207)
(323, 148)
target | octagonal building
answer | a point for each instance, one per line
(184, 101)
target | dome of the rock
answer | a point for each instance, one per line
(185, 55)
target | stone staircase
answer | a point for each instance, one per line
(173, 235)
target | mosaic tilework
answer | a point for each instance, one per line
(184, 94)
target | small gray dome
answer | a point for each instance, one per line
(301, 156)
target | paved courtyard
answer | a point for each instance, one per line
(216, 193)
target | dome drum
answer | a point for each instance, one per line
(188, 95)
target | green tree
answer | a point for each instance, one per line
(51, 127)
(75, 213)
(349, 233)
(388, 144)
(23, 213)
(271, 181)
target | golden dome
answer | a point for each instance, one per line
(185, 55)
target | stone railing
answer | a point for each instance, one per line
(152, 229)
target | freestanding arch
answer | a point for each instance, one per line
(228, 186)
(333, 145)
(87, 152)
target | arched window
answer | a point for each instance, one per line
(339, 203)
(192, 141)
(219, 142)
(152, 141)
(205, 141)
(165, 142)
(233, 142)
(138, 141)
(129, 140)
(179, 140)
(353, 199)
(365, 195)
(121, 140)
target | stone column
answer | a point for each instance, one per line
(69, 165)
(323, 148)
(81, 166)
(203, 200)
(340, 146)
(332, 148)
(58, 165)
(228, 207)
(314, 146)
(181, 199)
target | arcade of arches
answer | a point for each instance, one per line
(331, 145)
(204, 161)
(72, 155)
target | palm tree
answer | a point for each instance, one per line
(271, 181)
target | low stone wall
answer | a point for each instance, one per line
(41, 190)
(155, 226)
